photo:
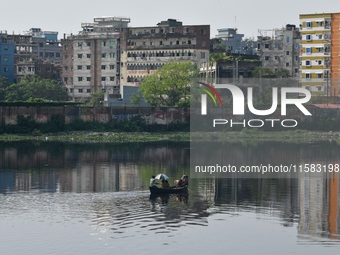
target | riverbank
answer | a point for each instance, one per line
(297, 136)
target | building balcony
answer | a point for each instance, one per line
(159, 59)
(161, 47)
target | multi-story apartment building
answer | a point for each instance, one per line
(46, 45)
(23, 52)
(280, 49)
(96, 58)
(319, 53)
(234, 41)
(145, 49)
(6, 57)
(67, 63)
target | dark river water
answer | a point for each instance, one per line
(64, 198)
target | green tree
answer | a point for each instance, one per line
(33, 86)
(3, 86)
(263, 72)
(97, 98)
(170, 85)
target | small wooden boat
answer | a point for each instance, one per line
(156, 190)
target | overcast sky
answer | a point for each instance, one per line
(65, 16)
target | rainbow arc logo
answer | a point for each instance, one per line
(211, 91)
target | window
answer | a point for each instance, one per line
(80, 78)
(48, 69)
(308, 50)
(152, 43)
(287, 63)
(185, 30)
(276, 46)
(65, 68)
(160, 42)
(189, 41)
(103, 67)
(112, 67)
(88, 44)
(177, 42)
(88, 90)
(103, 79)
(276, 57)
(319, 75)
(287, 53)
(296, 58)
(307, 75)
(79, 67)
(203, 43)
(80, 44)
(308, 24)
(103, 55)
(112, 78)
(80, 55)
(266, 46)
(71, 90)
(319, 62)
(65, 47)
(204, 31)
(88, 55)
(307, 62)
(171, 30)
(153, 31)
(112, 43)
(112, 55)
(5, 59)
(88, 78)
(172, 43)
(296, 46)
(296, 70)
(184, 42)
(308, 37)
(320, 23)
(266, 58)
(202, 55)
(88, 67)
(319, 37)
(6, 69)
(65, 79)
(80, 90)
(103, 43)
(320, 49)
(287, 39)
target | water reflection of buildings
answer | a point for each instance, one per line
(319, 206)
(309, 202)
(82, 168)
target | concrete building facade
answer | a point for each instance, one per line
(46, 45)
(6, 57)
(146, 49)
(320, 53)
(234, 41)
(280, 49)
(96, 58)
